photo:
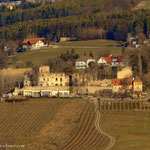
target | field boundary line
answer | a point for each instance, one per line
(97, 121)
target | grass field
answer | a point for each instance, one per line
(94, 46)
(130, 129)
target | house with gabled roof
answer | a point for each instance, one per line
(112, 60)
(83, 62)
(33, 44)
(128, 84)
(137, 85)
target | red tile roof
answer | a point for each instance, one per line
(117, 82)
(33, 41)
(137, 79)
(113, 58)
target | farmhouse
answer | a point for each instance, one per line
(127, 84)
(112, 60)
(33, 44)
(137, 85)
(83, 62)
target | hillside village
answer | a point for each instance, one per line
(110, 75)
(74, 74)
(61, 85)
(118, 69)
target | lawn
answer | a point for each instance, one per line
(95, 46)
(130, 129)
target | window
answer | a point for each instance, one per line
(60, 79)
(60, 84)
(56, 79)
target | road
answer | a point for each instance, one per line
(97, 125)
(63, 46)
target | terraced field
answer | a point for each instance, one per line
(65, 124)
(86, 136)
(20, 121)
(50, 124)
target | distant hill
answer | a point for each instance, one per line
(111, 19)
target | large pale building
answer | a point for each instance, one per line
(125, 73)
(53, 79)
(46, 78)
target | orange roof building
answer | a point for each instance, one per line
(34, 43)
(120, 85)
(111, 60)
(137, 85)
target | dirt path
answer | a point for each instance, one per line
(99, 128)
(82, 47)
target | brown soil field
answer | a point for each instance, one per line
(55, 133)
(15, 72)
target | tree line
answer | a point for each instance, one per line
(62, 9)
(115, 27)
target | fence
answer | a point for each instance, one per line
(123, 106)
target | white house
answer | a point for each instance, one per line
(33, 44)
(112, 60)
(102, 61)
(83, 62)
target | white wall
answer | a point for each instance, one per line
(102, 61)
(81, 65)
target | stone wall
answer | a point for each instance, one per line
(90, 89)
